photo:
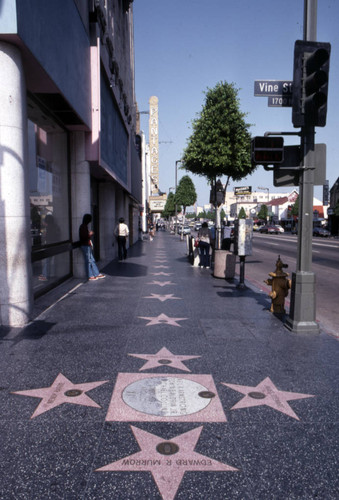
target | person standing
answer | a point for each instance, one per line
(86, 246)
(204, 237)
(121, 232)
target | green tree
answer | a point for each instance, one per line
(220, 143)
(169, 208)
(242, 213)
(185, 194)
(295, 208)
(263, 212)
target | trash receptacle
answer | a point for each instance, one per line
(224, 264)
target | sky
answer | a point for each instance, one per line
(184, 47)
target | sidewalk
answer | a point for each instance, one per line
(162, 382)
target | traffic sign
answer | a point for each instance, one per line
(267, 150)
(267, 88)
(280, 101)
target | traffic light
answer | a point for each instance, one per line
(310, 83)
(267, 150)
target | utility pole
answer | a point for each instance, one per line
(302, 316)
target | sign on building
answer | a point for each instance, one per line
(154, 143)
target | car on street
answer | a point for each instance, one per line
(269, 229)
(321, 231)
(184, 230)
(197, 226)
(281, 229)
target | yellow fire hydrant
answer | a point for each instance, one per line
(280, 286)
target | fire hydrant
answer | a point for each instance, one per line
(280, 286)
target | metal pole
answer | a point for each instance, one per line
(176, 206)
(302, 316)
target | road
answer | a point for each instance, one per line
(266, 249)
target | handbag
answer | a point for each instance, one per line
(196, 243)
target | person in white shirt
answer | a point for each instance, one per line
(121, 232)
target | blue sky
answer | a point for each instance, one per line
(183, 47)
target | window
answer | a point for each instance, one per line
(49, 203)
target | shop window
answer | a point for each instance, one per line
(49, 203)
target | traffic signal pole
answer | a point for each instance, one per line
(302, 317)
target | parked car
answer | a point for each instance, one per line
(197, 226)
(321, 231)
(281, 229)
(269, 229)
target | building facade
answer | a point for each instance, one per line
(67, 141)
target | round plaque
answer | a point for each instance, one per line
(164, 361)
(167, 448)
(72, 393)
(257, 395)
(165, 396)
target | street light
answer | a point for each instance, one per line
(176, 185)
(268, 192)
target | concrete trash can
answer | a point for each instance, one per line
(224, 264)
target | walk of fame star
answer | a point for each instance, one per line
(167, 460)
(160, 260)
(162, 298)
(164, 357)
(161, 283)
(266, 393)
(161, 273)
(162, 319)
(161, 267)
(62, 391)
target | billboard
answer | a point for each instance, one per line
(244, 190)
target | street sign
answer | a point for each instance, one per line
(280, 101)
(268, 88)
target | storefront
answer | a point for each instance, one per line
(49, 198)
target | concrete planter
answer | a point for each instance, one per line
(224, 264)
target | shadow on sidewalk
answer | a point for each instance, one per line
(231, 291)
(125, 268)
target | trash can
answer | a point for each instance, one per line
(224, 264)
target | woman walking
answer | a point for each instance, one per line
(204, 236)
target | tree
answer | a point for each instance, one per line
(242, 213)
(295, 208)
(220, 143)
(185, 194)
(263, 212)
(169, 208)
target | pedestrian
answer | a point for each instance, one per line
(121, 232)
(86, 246)
(204, 237)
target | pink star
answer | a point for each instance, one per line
(162, 319)
(164, 357)
(62, 391)
(161, 283)
(266, 393)
(167, 460)
(162, 298)
(161, 267)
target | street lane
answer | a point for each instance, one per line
(325, 252)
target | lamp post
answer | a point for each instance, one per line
(268, 192)
(176, 185)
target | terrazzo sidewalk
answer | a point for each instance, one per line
(162, 382)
